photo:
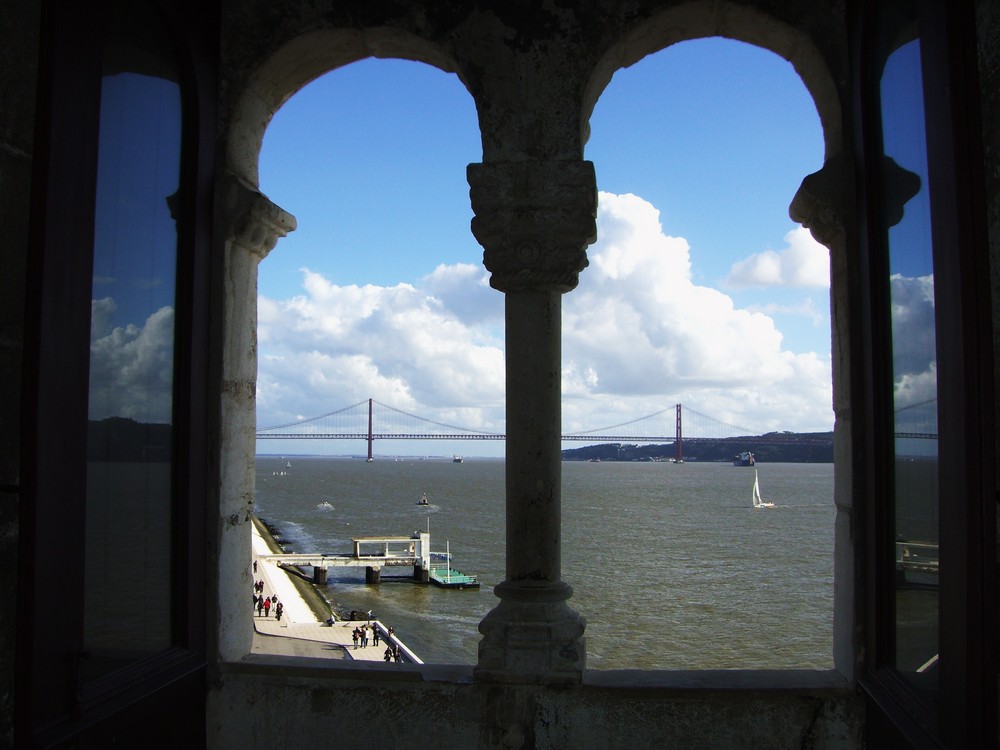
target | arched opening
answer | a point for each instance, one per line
(254, 224)
(380, 293)
(702, 292)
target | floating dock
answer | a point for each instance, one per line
(448, 578)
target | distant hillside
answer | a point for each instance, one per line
(122, 439)
(774, 447)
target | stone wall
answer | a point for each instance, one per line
(988, 27)
(19, 27)
(306, 705)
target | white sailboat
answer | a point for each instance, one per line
(757, 502)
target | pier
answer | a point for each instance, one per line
(376, 553)
(917, 563)
(301, 631)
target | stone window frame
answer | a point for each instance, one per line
(252, 225)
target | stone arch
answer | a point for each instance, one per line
(704, 18)
(301, 60)
(823, 204)
(248, 226)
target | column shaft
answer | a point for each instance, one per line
(533, 431)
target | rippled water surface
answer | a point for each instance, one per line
(670, 564)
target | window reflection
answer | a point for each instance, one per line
(907, 226)
(128, 563)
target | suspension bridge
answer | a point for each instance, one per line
(371, 420)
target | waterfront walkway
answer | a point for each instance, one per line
(299, 632)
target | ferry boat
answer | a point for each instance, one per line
(743, 459)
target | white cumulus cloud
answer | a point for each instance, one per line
(131, 366)
(803, 262)
(638, 333)
(638, 336)
(406, 347)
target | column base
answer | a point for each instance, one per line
(532, 638)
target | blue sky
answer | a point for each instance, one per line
(135, 249)
(700, 289)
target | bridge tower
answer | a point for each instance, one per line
(371, 439)
(679, 450)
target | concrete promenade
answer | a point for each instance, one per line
(299, 632)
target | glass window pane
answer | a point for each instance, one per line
(906, 209)
(128, 560)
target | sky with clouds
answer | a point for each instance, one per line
(700, 289)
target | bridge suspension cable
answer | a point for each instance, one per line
(300, 422)
(431, 421)
(621, 424)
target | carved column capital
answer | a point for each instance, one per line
(534, 221)
(251, 220)
(818, 203)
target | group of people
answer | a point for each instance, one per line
(264, 604)
(360, 636)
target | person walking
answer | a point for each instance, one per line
(354, 637)
(278, 609)
(374, 635)
(260, 605)
(267, 606)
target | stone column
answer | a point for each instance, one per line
(822, 205)
(535, 220)
(250, 226)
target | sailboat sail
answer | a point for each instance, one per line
(757, 501)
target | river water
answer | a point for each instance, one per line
(670, 564)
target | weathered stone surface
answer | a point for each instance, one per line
(535, 220)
